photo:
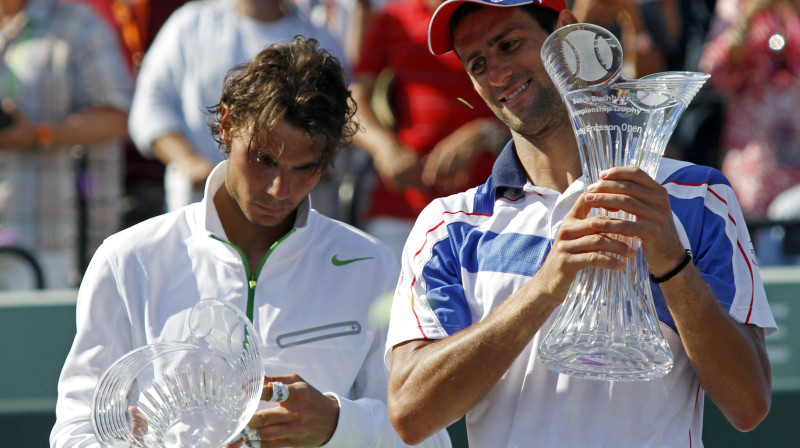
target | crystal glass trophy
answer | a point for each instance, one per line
(607, 327)
(200, 393)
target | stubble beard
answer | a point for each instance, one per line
(537, 117)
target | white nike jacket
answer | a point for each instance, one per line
(311, 300)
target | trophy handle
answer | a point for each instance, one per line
(223, 329)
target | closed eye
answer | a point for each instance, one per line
(310, 168)
(266, 160)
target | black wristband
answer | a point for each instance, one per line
(674, 272)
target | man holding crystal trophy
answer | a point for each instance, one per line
(244, 319)
(591, 292)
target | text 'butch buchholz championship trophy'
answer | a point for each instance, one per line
(608, 328)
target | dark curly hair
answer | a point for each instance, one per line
(295, 81)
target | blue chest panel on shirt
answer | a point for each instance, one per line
(511, 253)
(474, 251)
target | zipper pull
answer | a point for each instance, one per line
(252, 282)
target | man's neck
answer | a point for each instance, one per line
(263, 10)
(253, 240)
(550, 162)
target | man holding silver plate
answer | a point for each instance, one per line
(298, 287)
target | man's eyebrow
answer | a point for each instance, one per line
(310, 165)
(490, 43)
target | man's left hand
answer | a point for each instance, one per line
(634, 191)
(306, 419)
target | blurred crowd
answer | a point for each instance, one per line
(104, 107)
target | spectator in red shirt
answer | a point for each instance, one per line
(444, 137)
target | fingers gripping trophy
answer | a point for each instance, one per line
(608, 327)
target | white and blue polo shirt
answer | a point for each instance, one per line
(469, 251)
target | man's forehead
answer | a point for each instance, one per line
(439, 38)
(484, 28)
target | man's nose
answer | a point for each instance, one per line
(498, 71)
(280, 186)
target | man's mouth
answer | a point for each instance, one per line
(270, 209)
(514, 94)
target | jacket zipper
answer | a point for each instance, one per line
(252, 277)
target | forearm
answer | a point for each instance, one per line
(428, 387)
(87, 127)
(175, 148)
(364, 422)
(372, 138)
(736, 36)
(397, 165)
(728, 358)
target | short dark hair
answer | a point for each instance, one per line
(546, 17)
(295, 81)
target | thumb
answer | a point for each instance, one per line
(581, 208)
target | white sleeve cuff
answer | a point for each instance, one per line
(355, 426)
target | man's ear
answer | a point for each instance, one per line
(566, 17)
(224, 126)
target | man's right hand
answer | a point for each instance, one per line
(579, 245)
